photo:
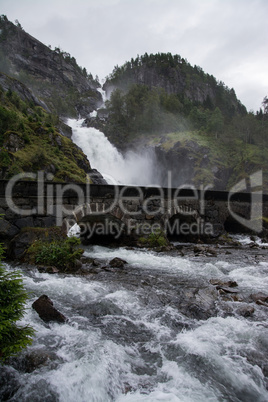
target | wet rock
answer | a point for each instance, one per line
(236, 298)
(9, 383)
(22, 241)
(253, 245)
(33, 359)
(198, 303)
(49, 270)
(246, 311)
(199, 250)
(77, 264)
(203, 250)
(225, 290)
(86, 260)
(117, 263)
(261, 303)
(20, 244)
(259, 297)
(46, 311)
(101, 309)
(164, 249)
(211, 251)
(96, 177)
(229, 284)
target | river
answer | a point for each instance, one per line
(155, 330)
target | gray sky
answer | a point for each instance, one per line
(227, 38)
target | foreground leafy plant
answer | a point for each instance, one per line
(13, 338)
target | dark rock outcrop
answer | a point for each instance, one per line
(96, 177)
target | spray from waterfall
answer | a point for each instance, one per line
(133, 168)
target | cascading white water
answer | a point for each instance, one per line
(132, 168)
(125, 342)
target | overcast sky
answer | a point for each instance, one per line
(227, 38)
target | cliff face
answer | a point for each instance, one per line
(8, 83)
(53, 76)
(173, 81)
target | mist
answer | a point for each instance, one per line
(132, 168)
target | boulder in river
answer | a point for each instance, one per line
(117, 263)
(260, 296)
(46, 311)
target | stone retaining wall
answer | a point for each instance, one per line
(46, 204)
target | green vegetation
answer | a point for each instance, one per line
(142, 110)
(13, 337)
(155, 239)
(178, 77)
(29, 141)
(61, 254)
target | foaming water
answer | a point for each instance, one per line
(123, 342)
(246, 240)
(132, 168)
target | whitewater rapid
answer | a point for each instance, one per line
(126, 340)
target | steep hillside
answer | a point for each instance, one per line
(53, 75)
(176, 76)
(32, 139)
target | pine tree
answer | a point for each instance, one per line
(13, 337)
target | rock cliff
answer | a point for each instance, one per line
(53, 75)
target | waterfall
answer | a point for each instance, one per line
(132, 169)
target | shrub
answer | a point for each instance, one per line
(60, 254)
(13, 338)
(155, 239)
